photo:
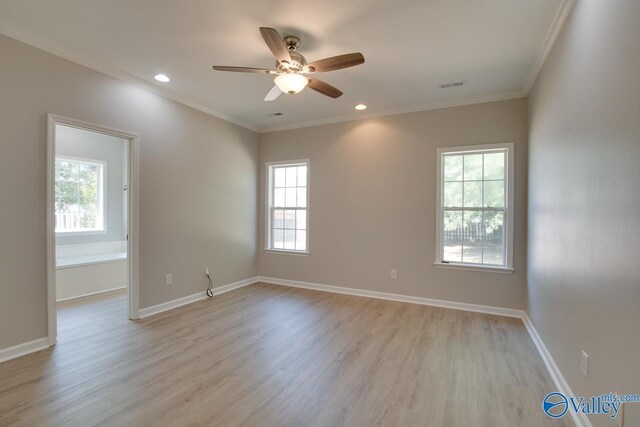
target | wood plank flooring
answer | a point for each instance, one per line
(268, 355)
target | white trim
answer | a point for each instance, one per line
(473, 267)
(23, 349)
(91, 294)
(170, 305)
(269, 202)
(502, 96)
(286, 252)
(556, 375)
(552, 34)
(132, 220)
(63, 52)
(476, 308)
(560, 382)
(509, 214)
(87, 263)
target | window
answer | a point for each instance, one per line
(475, 206)
(287, 219)
(79, 195)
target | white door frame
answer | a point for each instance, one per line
(132, 216)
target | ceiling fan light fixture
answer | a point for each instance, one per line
(291, 82)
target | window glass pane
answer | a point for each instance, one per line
(302, 176)
(472, 167)
(278, 197)
(302, 197)
(473, 183)
(292, 173)
(68, 196)
(301, 220)
(290, 219)
(289, 239)
(278, 238)
(289, 194)
(278, 218)
(301, 240)
(452, 194)
(494, 240)
(88, 195)
(473, 235)
(494, 166)
(278, 177)
(453, 168)
(494, 194)
(452, 236)
(290, 198)
(473, 194)
(77, 198)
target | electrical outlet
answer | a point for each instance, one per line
(584, 363)
(394, 274)
(206, 271)
(169, 279)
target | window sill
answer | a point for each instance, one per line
(83, 261)
(80, 233)
(286, 252)
(482, 268)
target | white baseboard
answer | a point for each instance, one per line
(23, 349)
(165, 306)
(561, 384)
(557, 377)
(500, 311)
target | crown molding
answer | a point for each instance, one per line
(502, 96)
(55, 49)
(58, 50)
(552, 34)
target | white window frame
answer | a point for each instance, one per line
(269, 168)
(102, 202)
(508, 211)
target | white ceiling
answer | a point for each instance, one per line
(410, 47)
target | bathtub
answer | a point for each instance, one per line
(90, 268)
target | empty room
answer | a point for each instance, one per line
(278, 213)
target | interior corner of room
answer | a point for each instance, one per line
(436, 224)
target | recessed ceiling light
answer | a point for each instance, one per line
(162, 78)
(360, 107)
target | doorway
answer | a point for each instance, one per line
(91, 215)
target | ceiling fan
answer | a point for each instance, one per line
(292, 69)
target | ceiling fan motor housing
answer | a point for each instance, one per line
(298, 62)
(292, 42)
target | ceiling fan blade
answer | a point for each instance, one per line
(337, 62)
(244, 69)
(274, 93)
(324, 88)
(276, 44)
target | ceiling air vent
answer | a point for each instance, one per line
(448, 85)
(274, 115)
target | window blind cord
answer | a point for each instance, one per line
(209, 288)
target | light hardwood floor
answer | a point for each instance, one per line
(276, 356)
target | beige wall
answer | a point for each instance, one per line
(197, 184)
(373, 202)
(584, 200)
